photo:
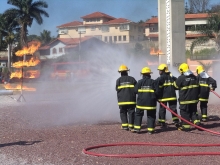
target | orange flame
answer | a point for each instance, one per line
(31, 62)
(32, 47)
(32, 74)
(155, 52)
(18, 87)
(16, 74)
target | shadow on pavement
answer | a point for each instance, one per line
(22, 143)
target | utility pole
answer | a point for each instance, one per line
(79, 44)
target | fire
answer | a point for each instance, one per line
(155, 52)
(32, 74)
(17, 74)
(32, 47)
(31, 62)
(18, 87)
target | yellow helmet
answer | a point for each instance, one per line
(199, 69)
(162, 67)
(146, 70)
(123, 68)
(183, 68)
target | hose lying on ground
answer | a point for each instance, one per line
(86, 150)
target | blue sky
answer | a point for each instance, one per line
(63, 11)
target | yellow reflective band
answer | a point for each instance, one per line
(196, 121)
(161, 120)
(186, 126)
(168, 99)
(188, 102)
(167, 84)
(150, 129)
(145, 90)
(204, 115)
(174, 118)
(137, 127)
(161, 86)
(130, 125)
(124, 124)
(125, 86)
(175, 85)
(201, 99)
(190, 86)
(146, 108)
(204, 85)
(126, 103)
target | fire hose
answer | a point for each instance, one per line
(86, 150)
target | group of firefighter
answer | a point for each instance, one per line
(134, 98)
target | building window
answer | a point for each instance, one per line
(99, 37)
(93, 28)
(124, 38)
(106, 39)
(115, 38)
(119, 38)
(124, 27)
(105, 28)
(60, 50)
(110, 39)
(54, 51)
(81, 30)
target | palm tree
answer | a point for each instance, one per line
(8, 28)
(211, 31)
(45, 37)
(25, 12)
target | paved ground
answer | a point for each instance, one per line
(59, 119)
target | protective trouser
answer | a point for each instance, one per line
(127, 113)
(189, 112)
(162, 111)
(203, 108)
(151, 117)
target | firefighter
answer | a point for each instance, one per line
(126, 98)
(206, 83)
(188, 86)
(167, 94)
(146, 100)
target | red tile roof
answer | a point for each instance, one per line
(153, 35)
(152, 20)
(199, 15)
(44, 47)
(97, 15)
(118, 20)
(187, 16)
(194, 35)
(74, 23)
(66, 41)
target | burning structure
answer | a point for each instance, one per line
(20, 69)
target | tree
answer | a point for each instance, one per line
(215, 8)
(25, 12)
(211, 31)
(198, 6)
(8, 29)
(45, 37)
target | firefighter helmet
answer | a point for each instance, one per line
(163, 67)
(123, 68)
(146, 70)
(199, 69)
(183, 68)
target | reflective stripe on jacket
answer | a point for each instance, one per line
(188, 89)
(125, 90)
(146, 97)
(166, 87)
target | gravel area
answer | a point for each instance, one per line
(54, 125)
